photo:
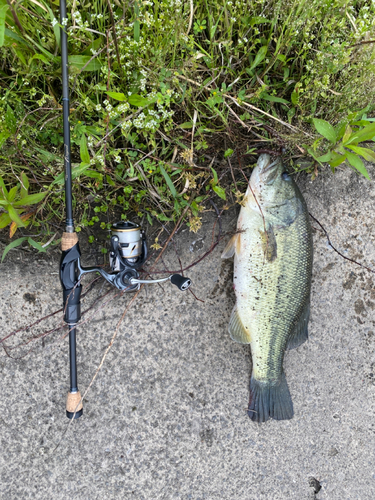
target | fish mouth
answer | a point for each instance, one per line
(268, 170)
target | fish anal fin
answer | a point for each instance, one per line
(232, 247)
(237, 330)
(300, 333)
(269, 244)
(270, 400)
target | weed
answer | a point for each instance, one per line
(155, 84)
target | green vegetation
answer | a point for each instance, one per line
(162, 91)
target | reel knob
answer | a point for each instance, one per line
(181, 282)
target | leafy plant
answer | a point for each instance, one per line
(151, 82)
(343, 142)
(16, 203)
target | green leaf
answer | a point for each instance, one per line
(3, 13)
(272, 98)
(3, 190)
(40, 57)
(12, 193)
(14, 244)
(30, 199)
(3, 137)
(220, 192)
(325, 129)
(348, 132)
(93, 174)
(294, 98)
(340, 130)
(24, 185)
(137, 30)
(36, 245)
(215, 176)
(14, 216)
(367, 153)
(366, 134)
(4, 220)
(258, 20)
(79, 62)
(110, 181)
(47, 155)
(83, 151)
(337, 159)
(13, 36)
(325, 157)
(137, 100)
(186, 125)
(119, 96)
(259, 57)
(357, 163)
(10, 120)
(228, 152)
(163, 217)
(168, 181)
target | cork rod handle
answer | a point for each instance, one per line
(68, 241)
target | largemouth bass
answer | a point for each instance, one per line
(273, 256)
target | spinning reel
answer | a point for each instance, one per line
(128, 252)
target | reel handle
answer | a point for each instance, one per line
(180, 281)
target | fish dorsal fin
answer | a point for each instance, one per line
(237, 330)
(300, 334)
(269, 244)
(232, 247)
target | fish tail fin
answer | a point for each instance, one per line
(270, 400)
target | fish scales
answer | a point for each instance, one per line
(274, 302)
(272, 281)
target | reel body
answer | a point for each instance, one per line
(127, 253)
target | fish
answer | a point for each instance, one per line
(273, 257)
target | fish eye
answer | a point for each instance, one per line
(285, 176)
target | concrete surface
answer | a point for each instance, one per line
(166, 417)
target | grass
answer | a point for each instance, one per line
(163, 92)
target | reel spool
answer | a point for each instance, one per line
(128, 247)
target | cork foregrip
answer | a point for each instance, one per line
(68, 241)
(72, 401)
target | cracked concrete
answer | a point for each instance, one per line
(166, 417)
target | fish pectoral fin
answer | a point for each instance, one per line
(237, 331)
(232, 247)
(269, 244)
(300, 333)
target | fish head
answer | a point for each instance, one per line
(270, 185)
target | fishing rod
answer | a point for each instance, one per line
(128, 247)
